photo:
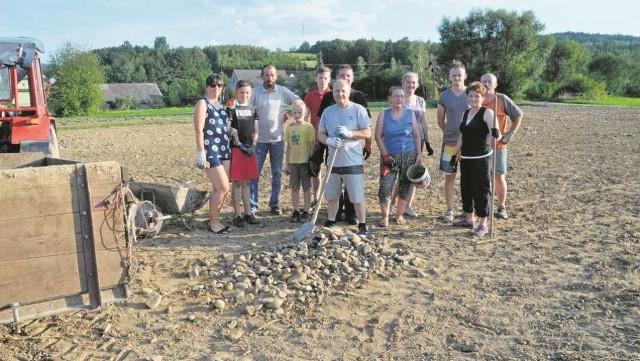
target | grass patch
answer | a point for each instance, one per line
(107, 123)
(617, 101)
(377, 106)
(111, 114)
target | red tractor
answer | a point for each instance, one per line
(25, 123)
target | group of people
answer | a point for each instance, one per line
(333, 127)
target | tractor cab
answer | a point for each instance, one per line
(25, 123)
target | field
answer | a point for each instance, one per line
(560, 280)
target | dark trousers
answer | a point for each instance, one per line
(475, 185)
(345, 206)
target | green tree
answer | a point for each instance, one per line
(189, 67)
(567, 58)
(507, 44)
(319, 61)
(614, 69)
(420, 60)
(581, 86)
(79, 76)
(361, 68)
(304, 47)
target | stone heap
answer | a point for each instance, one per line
(302, 273)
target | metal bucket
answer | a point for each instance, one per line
(418, 174)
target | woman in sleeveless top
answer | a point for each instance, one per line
(398, 139)
(473, 150)
(212, 144)
(417, 104)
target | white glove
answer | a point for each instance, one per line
(506, 137)
(201, 160)
(334, 142)
(344, 132)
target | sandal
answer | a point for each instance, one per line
(224, 230)
(463, 223)
(401, 221)
(382, 223)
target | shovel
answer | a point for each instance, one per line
(309, 226)
(493, 170)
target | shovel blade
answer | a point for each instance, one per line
(303, 231)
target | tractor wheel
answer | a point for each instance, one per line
(54, 148)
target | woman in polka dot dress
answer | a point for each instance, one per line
(212, 143)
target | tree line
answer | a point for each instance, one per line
(509, 44)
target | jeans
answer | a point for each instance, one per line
(276, 157)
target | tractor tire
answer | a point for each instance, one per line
(54, 148)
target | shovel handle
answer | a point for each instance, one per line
(324, 186)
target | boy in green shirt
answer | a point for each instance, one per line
(299, 138)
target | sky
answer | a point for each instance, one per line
(284, 24)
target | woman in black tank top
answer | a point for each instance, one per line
(473, 150)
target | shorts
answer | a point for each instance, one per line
(445, 159)
(214, 162)
(243, 167)
(354, 183)
(298, 175)
(501, 161)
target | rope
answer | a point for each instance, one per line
(125, 207)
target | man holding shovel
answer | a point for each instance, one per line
(342, 127)
(503, 107)
(345, 72)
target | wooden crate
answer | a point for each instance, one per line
(62, 247)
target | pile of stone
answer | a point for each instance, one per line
(300, 273)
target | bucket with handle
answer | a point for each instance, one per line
(419, 175)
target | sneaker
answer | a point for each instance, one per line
(502, 213)
(295, 216)
(304, 216)
(362, 229)
(251, 219)
(239, 222)
(313, 205)
(480, 231)
(409, 212)
(276, 211)
(352, 220)
(447, 217)
(329, 224)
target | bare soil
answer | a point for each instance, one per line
(560, 280)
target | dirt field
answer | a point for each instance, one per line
(559, 281)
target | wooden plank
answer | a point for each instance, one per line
(36, 203)
(15, 160)
(53, 307)
(46, 308)
(101, 172)
(28, 281)
(112, 269)
(108, 230)
(88, 244)
(37, 177)
(43, 257)
(38, 237)
(39, 201)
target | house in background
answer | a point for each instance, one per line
(143, 93)
(252, 75)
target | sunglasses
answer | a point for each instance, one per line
(219, 85)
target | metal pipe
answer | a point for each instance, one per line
(15, 308)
